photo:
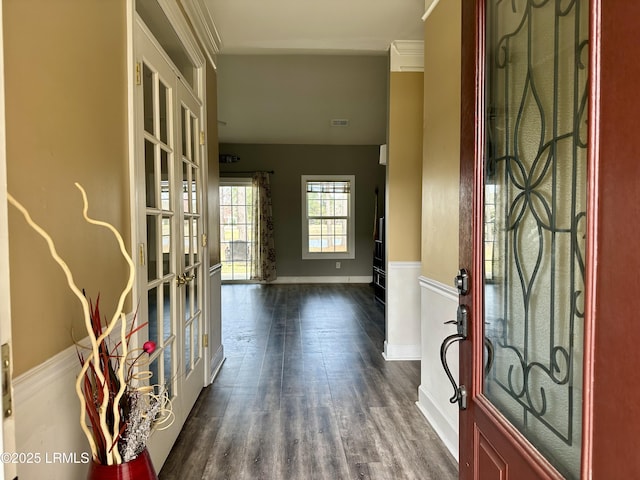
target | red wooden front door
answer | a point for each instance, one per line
(550, 196)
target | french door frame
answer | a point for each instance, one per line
(136, 155)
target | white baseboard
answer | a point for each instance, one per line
(325, 279)
(440, 422)
(401, 352)
(216, 363)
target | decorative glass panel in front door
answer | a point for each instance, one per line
(534, 214)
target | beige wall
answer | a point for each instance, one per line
(404, 166)
(66, 116)
(214, 165)
(213, 204)
(441, 153)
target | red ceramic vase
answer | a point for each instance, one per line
(140, 468)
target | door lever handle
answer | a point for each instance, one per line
(462, 321)
(459, 393)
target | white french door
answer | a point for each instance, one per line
(191, 284)
(170, 279)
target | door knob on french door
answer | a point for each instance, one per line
(184, 278)
(462, 323)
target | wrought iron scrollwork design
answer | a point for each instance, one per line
(535, 158)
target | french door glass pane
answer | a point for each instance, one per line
(534, 213)
(165, 190)
(185, 186)
(167, 301)
(163, 124)
(194, 239)
(153, 310)
(167, 358)
(193, 130)
(184, 135)
(187, 303)
(194, 197)
(152, 248)
(150, 173)
(187, 348)
(148, 94)
(166, 245)
(196, 332)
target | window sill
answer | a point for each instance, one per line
(329, 256)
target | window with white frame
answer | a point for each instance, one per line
(328, 217)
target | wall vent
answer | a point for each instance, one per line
(339, 122)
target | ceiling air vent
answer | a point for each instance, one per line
(339, 122)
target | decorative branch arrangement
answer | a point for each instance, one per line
(121, 407)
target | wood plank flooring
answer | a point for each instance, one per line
(304, 393)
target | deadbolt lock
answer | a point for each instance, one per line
(462, 281)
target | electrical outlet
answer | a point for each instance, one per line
(338, 265)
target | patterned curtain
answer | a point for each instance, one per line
(263, 267)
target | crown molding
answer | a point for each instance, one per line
(407, 56)
(205, 27)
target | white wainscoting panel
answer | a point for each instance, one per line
(47, 413)
(439, 303)
(403, 311)
(215, 355)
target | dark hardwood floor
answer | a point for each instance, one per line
(304, 393)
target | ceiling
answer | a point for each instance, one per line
(286, 68)
(313, 26)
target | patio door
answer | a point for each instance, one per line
(170, 229)
(549, 168)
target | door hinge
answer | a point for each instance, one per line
(205, 340)
(7, 398)
(204, 240)
(202, 137)
(141, 255)
(138, 74)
